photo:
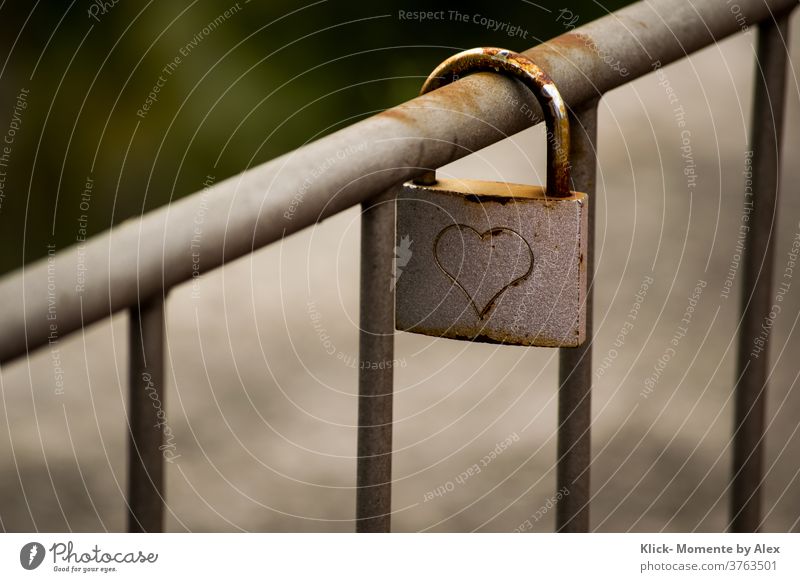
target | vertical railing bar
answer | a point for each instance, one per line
(757, 297)
(376, 369)
(146, 417)
(575, 364)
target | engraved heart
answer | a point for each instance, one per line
(483, 265)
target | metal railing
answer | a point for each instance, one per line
(134, 265)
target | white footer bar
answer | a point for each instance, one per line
(400, 557)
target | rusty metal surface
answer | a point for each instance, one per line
(492, 262)
(376, 369)
(575, 364)
(146, 418)
(520, 67)
(758, 298)
(292, 192)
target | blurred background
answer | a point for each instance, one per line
(261, 393)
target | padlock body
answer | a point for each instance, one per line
(492, 262)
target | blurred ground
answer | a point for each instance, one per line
(264, 414)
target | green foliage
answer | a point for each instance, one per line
(248, 85)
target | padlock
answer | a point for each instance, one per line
(493, 261)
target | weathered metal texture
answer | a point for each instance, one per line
(294, 191)
(492, 262)
(376, 370)
(498, 264)
(146, 409)
(759, 305)
(520, 67)
(575, 364)
(616, 49)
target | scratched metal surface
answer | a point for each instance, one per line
(492, 262)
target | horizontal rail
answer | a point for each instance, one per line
(143, 256)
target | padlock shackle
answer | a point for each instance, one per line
(496, 60)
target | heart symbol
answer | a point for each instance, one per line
(497, 248)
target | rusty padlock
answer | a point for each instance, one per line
(493, 261)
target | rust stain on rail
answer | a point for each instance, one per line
(571, 43)
(398, 114)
